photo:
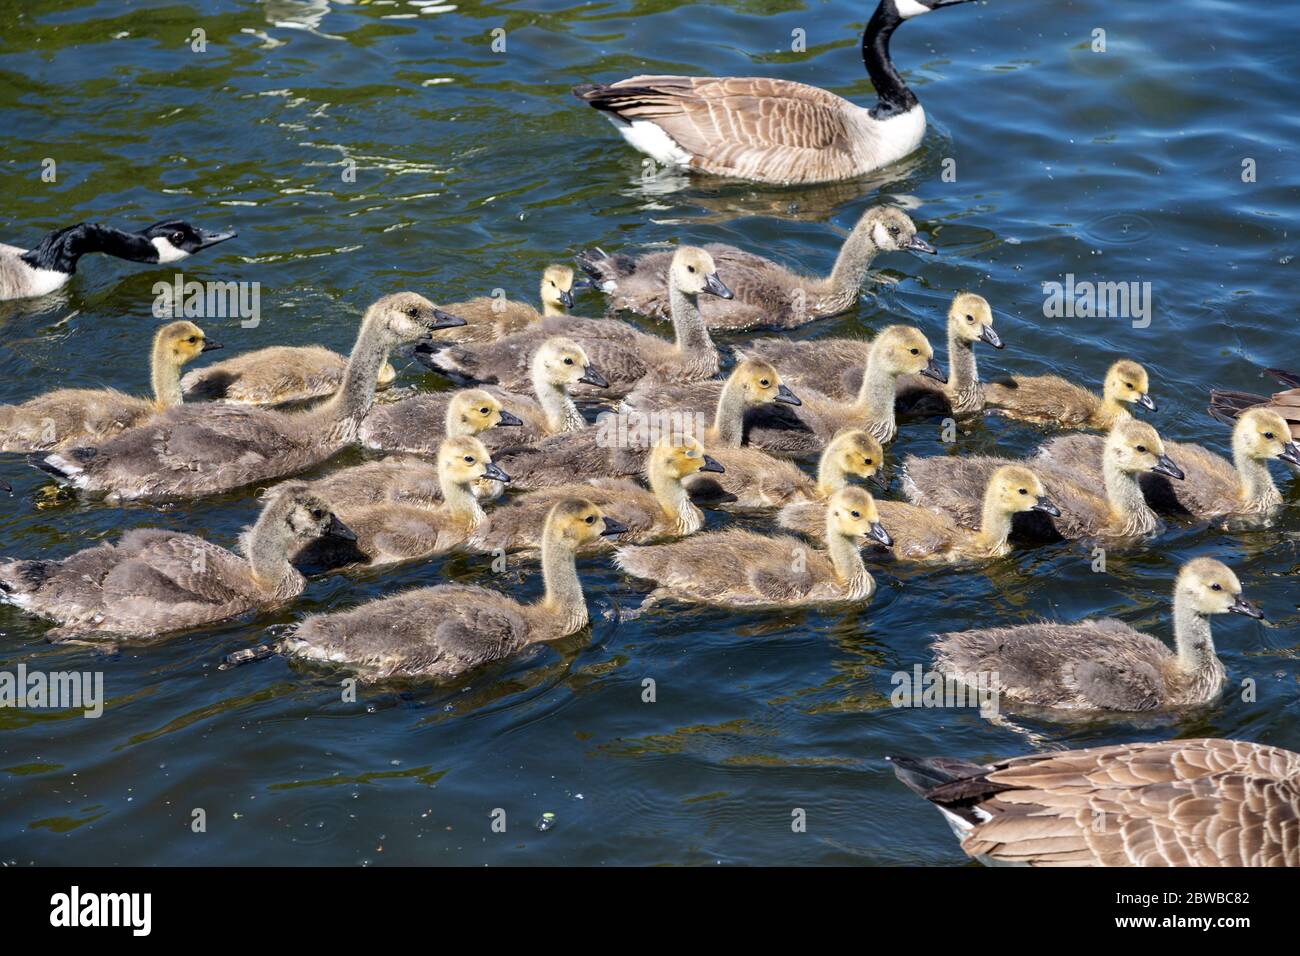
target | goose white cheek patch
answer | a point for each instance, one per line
(166, 251)
(910, 8)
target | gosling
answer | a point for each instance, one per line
(154, 582)
(278, 375)
(70, 416)
(754, 480)
(489, 318)
(1051, 400)
(1105, 665)
(741, 569)
(444, 631)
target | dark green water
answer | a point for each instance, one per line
(474, 170)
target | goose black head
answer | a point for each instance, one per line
(176, 239)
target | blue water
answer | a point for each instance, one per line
(474, 170)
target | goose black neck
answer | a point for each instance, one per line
(60, 250)
(895, 97)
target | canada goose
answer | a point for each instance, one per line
(206, 449)
(40, 271)
(1212, 486)
(766, 294)
(742, 569)
(1171, 803)
(617, 446)
(835, 366)
(954, 486)
(488, 318)
(770, 130)
(1226, 405)
(153, 581)
(898, 350)
(665, 511)
(754, 479)
(623, 354)
(921, 534)
(1052, 400)
(67, 415)
(416, 424)
(396, 531)
(446, 630)
(1105, 664)
(274, 376)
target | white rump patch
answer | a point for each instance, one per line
(649, 138)
(43, 281)
(166, 251)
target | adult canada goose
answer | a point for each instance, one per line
(416, 424)
(955, 486)
(152, 581)
(766, 294)
(1051, 400)
(617, 446)
(770, 130)
(274, 376)
(1213, 486)
(898, 350)
(446, 630)
(1226, 405)
(624, 355)
(1171, 803)
(67, 415)
(737, 568)
(207, 449)
(49, 266)
(488, 317)
(1104, 664)
(923, 535)
(395, 531)
(754, 479)
(835, 367)
(665, 511)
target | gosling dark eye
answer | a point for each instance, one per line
(690, 269)
(591, 519)
(317, 514)
(855, 514)
(1128, 385)
(1268, 435)
(867, 460)
(568, 361)
(1216, 587)
(469, 459)
(412, 311)
(915, 351)
(482, 411)
(1023, 492)
(1142, 448)
(893, 231)
(765, 383)
(970, 318)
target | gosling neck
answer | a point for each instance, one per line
(831, 476)
(846, 559)
(268, 546)
(563, 600)
(729, 420)
(688, 324)
(1197, 659)
(345, 410)
(165, 375)
(561, 413)
(459, 500)
(1127, 503)
(1112, 412)
(453, 425)
(995, 524)
(674, 501)
(875, 399)
(963, 375)
(851, 265)
(1255, 484)
(550, 307)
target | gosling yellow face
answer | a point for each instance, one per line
(1135, 447)
(1126, 381)
(182, 341)
(907, 352)
(972, 319)
(557, 286)
(1017, 489)
(1265, 434)
(762, 385)
(576, 522)
(695, 273)
(893, 231)
(852, 513)
(309, 517)
(857, 453)
(464, 460)
(409, 317)
(564, 362)
(478, 411)
(681, 457)
(1213, 588)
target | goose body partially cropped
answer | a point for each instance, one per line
(772, 130)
